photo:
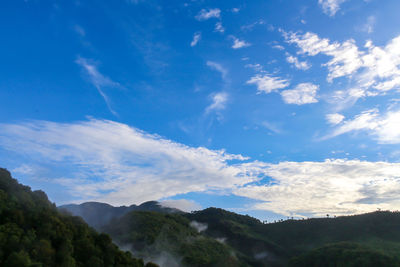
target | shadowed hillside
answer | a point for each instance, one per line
(376, 233)
(368, 236)
(170, 240)
(34, 233)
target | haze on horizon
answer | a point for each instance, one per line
(266, 108)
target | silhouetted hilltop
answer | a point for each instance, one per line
(98, 214)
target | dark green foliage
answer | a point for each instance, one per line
(378, 232)
(98, 214)
(243, 233)
(343, 255)
(154, 235)
(371, 239)
(34, 233)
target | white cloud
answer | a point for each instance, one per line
(235, 10)
(219, 101)
(279, 47)
(303, 93)
(196, 39)
(267, 83)
(114, 163)
(330, 7)
(98, 80)
(219, 27)
(371, 72)
(239, 43)
(334, 118)
(256, 67)
(330, 187)
(301, 65)
(346, 58)
(206, 14)
(384, 128)
(181, 204)
(218, 67)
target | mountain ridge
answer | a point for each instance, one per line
(98, 214)
(277, 244)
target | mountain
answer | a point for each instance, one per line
(368, 238)
(98, 214)
(171, 239)
(245, 234)
(373, 235)
(344, 254)
(34, 233)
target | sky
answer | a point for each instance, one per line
(275, 109)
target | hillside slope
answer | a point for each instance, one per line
(376, 233)
(34, 233)
(362, 238)
(170, 240)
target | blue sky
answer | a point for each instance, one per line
(268, 108)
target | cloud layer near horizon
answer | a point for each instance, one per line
(118, 164)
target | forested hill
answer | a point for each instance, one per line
(98, 214)
(371, 239)
(34, 233)
(359, 240)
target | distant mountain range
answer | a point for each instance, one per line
(150, 231)
(33, 232)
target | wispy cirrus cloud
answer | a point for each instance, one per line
(383, 127)
(118, 164)
(206, 14)
(273, 127)
(79, 30)
(98, 80)
(267, 83)
(219, 27)
(218, 67)
(196, 39)
(219, 101)
(369, 26)
(346, 58)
